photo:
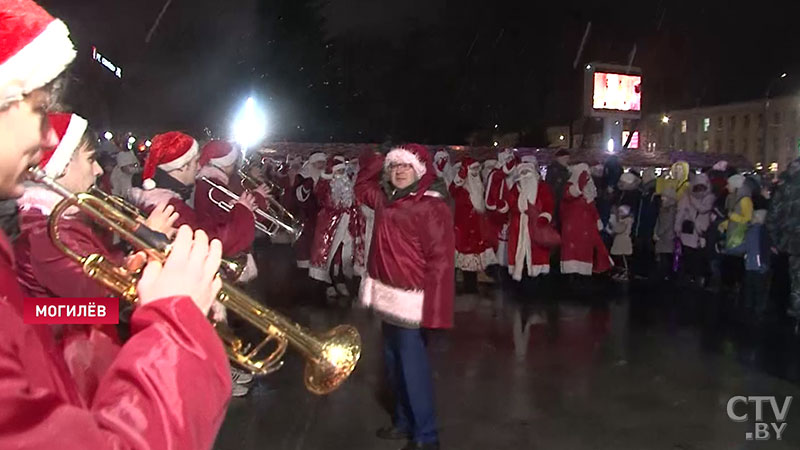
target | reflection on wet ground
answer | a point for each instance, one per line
(602, 366)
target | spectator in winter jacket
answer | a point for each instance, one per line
(691, 222)
(783, 223)
(757, 253)
(621, 225)
(665, 232)
(645, 223)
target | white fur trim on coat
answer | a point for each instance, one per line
(144, 198)
(394, 305)
(66, 148)
(213, 173)
(226, 160)
(36, 64)
(403, 156)
(37, 197)
(303, 264)
(574, 266)
(475, 262)
(340, 237)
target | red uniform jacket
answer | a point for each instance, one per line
(410, 267)
(582, 251)
(239, 220)
(148, 398)
(44, 271)
(470, 224)
(235, 237)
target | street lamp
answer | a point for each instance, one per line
(665, 119)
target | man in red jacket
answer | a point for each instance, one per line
(409, 280)
(497, 205)
(45, 271)
(307, 206)
(169, 177)
(147, 398)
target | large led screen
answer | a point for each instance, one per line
(617, 92)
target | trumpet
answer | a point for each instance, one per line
(231, 269)
(276, 218)
(330, 357)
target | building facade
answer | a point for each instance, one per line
(766, 132)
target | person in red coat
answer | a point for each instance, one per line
(474, 251)
(307, 206)
(45, 271)
(532, 201)
(147, 397)
(335, 247)
(497, 205)
(409, 281)
(582, 248)
(169, 177)
(444, 169)
(218, 162)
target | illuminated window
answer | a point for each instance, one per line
(706, 124)
(683, 126)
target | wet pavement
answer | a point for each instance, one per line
(605, 366)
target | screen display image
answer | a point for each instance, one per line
(617, 92)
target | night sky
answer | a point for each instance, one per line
(431, 71)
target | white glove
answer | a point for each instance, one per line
(599, 225)
(218, 312)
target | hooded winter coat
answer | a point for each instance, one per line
(694, 213)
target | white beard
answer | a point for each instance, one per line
(309, 172)
(474, 186)
(444, 170)
(342, 191)
(590, 191)
(528, 191)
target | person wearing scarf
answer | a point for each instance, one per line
(409, 281)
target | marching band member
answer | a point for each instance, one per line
(173, 348)
(218, 162)
(169, 176)
(307, 206)
(44, 271)
(339, 221)
(497, 187)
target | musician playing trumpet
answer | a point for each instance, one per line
(44, 271)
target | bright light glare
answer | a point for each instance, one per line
(665, 119)
(561, 138)
(250, 125)
(610, 146)
(109, 135)
(496, 143)
(131, 140)
(148, 143)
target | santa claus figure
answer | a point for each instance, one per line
(474, 251)
(497, 206)
(486, 169)
(531, 204)
(582, 248)
(444, 169)
(338, 223)
(306, 206)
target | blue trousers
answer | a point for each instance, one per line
(409, 374)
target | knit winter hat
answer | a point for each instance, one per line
(34, 49)
(218, 153)
(414, 154)
(69, 129)
(168, 151)
(736, 181)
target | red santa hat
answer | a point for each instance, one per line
(68, 129)
(218, 153)
(440, 155)
(338, 162)
(34, 49)
(414, 154)
(168, 151)
(470, 162)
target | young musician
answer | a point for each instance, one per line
(148, 396)
(169, 176)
